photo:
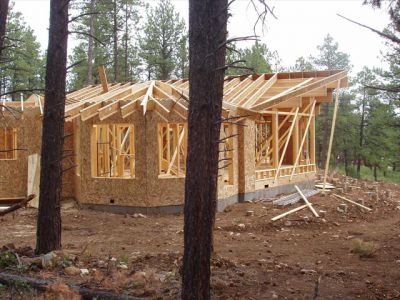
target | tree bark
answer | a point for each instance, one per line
(89, 76)
(115, 33)
(48, 236)
(346, 164)
(361, 135)
(375, 173)
(43, 285)
(3, 22)
(207, 36)
(126, 43)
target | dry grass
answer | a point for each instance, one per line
(364, 249)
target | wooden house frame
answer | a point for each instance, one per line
(128, 141)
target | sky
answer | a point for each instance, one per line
(300, 26)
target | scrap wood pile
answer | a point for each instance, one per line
(16, 203)
(348, 192)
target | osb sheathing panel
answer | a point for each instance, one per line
(105, 190)
(226, 190)
(246, 157)
(14, 173)
(146, 189)
(161, 191)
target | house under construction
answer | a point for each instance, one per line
(126, 144)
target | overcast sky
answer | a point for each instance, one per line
(300, 26)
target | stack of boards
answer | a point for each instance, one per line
(328, 186)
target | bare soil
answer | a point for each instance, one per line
(297, 257)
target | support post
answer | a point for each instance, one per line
(331, 137)
(275, 139)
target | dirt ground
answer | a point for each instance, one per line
(297, 257)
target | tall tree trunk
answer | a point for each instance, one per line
(346, 164)
(89, 76)
(48, 236)
(375, 173)
(207, 31)
(115, 33)
(126, 43)
(3, 22)
(361, 134)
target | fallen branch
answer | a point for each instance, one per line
(19, 205)
(43, 285)
(358, 204)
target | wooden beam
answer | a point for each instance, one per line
(306, 201)
(244, 93)
(353, 202)
(303, 140)
(328, 157)
(289, 212)
(108, 110)
(262, 90)
(147, 96)
(287, 91)
(275, 140)
(130, 107)
(90, 111)
(301, 91)
(286, 144)
(103, 78)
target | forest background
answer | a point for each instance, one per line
(135, 41)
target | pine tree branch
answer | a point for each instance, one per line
(393, 38)
(83, 15)
(87, 34)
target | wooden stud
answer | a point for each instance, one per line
(286, 144)
(331, 136)
(103, 78)
(306, 201)
(302, 141)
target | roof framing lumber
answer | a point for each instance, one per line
(258, 94)
(103, 78)
(301, 91)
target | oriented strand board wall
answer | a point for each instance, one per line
(146, 189)
(14, 173)
(226, 190)
(246, 157)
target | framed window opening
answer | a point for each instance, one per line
(263, 139)
(8, 143)
(172, 149)
(113, 151)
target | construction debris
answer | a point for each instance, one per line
(307, 202)
(353, 202)
(294, 198)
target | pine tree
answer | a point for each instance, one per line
(255, 59)
(163, 30)
(107, 37)
(22, 61)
